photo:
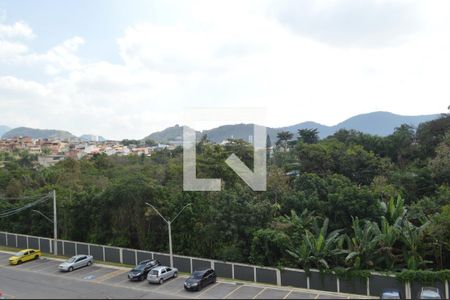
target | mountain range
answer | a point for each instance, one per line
(375, 123)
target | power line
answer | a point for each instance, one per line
(21, 198)
(13, 211)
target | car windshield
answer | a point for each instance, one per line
(390, 295)
(71, 260)
(139, 268)
(154, 272)
(19, 253)
(430, 295)
(197, 275)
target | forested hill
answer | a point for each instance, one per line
(174, 133)
(376, 123)
(38, 133)
(353, 200)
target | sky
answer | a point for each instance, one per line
(124, 69)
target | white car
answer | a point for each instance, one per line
(76, 262)
(430, 293)
(161, 274)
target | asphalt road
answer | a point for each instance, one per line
(41, 279)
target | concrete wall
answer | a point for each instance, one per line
(2, 239)
(295, 278)
(182, 263)
(129, 257)
(243, 272)
(353, 285)
(200, 264)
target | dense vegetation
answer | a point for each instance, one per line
(351, 200)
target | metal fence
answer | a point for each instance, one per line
(372, 286)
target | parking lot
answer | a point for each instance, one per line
(42, 279)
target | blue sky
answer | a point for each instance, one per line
(99, 22)
(124, 69)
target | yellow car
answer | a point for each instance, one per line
(23, 256)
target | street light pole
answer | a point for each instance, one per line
(54, 222)
(169, 225)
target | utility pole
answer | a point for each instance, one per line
(169, 225)
(55, 225)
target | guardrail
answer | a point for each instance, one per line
(372, 286)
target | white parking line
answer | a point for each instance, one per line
(317, 296)
(89, 272)
(37, 266)
(207, 289)
(81, 280)
(290, 292)
(47, 267)
(122, 282)
(164, 282)
(109, 275)
(230, 293)
(104, 278)
(260, 292)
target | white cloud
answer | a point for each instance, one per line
(16, 30)
(10, 50)
(235, 55)
(62, 57)
(351, 23)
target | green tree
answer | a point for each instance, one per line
(362, 244)
(412, 237)
(283, 137)
(318, 248)
(308, 136)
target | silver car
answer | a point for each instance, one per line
(76, 262)
(161, 274)
(429, 293)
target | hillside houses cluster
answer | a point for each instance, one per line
(50, 152)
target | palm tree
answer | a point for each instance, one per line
(318, 247)
(389, 235)
(363, 245)
(412, 237)
(395, 210)
(283, 138)
(295, 225)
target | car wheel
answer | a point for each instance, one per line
(161, 281)
(70, 269)
(36, 257)
(214, 280)
(142, 278)
(19, 262)
(89, 263)
(175, 275)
